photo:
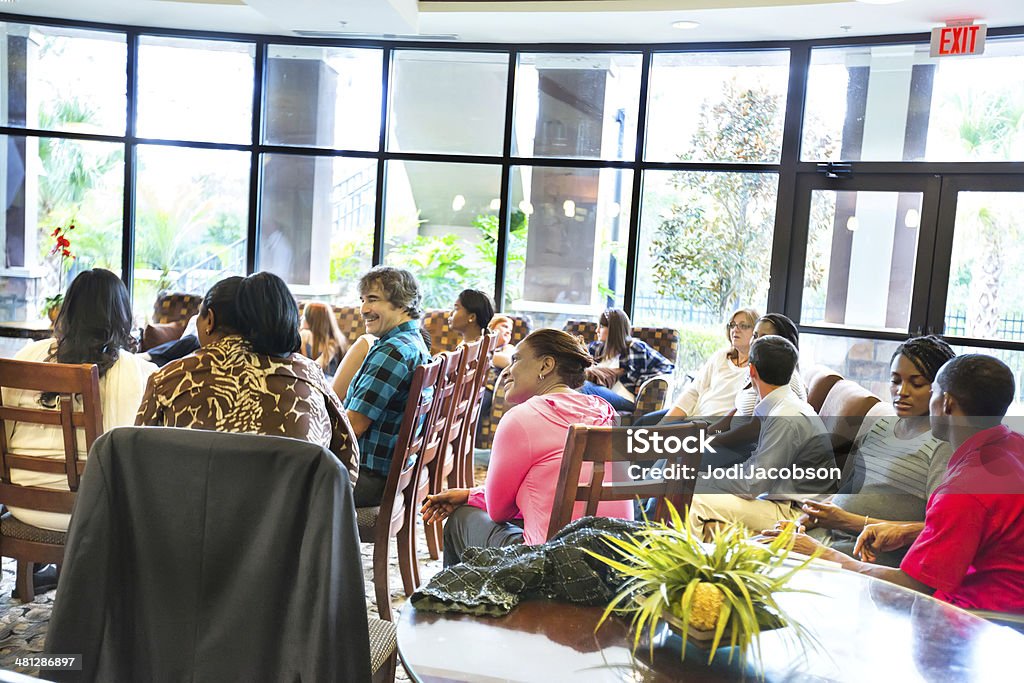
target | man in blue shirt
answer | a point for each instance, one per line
(378, 393)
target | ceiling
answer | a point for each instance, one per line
(593, 21)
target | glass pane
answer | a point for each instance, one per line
(1015, 359)
(310, 91)
(49, 183)
(316, 227)
(718, 106)
(861, 253)
(190, 220)
(866, 361)
(195, 89)
(62, 79)
(448, 102)
(986, 275)
(441, 223)
(894, 102)
(567, 249)
(573, 105)
(704, 250)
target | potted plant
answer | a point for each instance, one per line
(721, 592)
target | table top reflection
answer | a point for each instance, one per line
(866, 630)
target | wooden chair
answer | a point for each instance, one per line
(27, 544)
(605, 481)
(472, 386)
(395, 516)
(440, 466)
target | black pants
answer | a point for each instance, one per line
(471, 527)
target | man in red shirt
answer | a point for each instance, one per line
(969, 551)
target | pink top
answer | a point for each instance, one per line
(526, 456)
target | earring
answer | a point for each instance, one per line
(540, 377)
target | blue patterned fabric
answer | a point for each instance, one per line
(640, 362)
(380, 390)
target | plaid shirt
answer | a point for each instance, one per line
(640, 362)
(380, 390)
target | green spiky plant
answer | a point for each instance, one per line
(727, 586)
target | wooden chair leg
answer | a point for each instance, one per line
(435, 539)
(387, 672)
(24, 586)
(380, 579)
(407, 563)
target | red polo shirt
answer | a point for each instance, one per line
(971, 550)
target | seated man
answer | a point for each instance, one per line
(969, 551)
(377, 395)
(765, 486)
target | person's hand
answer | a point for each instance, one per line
(883, 537)
(802, 543)
(828, 516)
(436, 508)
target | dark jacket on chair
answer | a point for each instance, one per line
(205, 556)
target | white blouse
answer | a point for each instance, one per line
(713, 391)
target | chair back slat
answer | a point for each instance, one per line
(36, 498)
(67, 381)
(406, 459)
(594, 445)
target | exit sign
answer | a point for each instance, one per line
(959, 39)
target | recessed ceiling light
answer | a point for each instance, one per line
(684, 25)
(879, 2)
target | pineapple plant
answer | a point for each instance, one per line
(721, 592)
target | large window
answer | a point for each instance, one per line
(669, 180)
(895, 103)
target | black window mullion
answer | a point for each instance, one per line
(785, 233)
(252, 245)
(128, 199)
(504, 216)
(385, 114)
(633, 247)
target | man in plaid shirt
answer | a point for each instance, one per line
(377, 395)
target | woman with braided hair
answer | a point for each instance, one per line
(896, 460)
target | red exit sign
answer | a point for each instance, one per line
(961, 39)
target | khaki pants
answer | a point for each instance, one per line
(755, 514)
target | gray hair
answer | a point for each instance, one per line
(399, 286)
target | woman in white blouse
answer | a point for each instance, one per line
(94, 326)
(713, 391)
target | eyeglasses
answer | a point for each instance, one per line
(742, 326)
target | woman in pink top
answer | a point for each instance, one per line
(514, 505)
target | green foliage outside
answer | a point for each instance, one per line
(713, 250)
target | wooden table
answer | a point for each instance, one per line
(27, 329)
(869, 631)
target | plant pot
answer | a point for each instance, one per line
(703, 638)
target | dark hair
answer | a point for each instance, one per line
(222, 299)
(775, 359)
(619, 327)
(982, 385)
(398, 285)
(571, 359)
(95, 321)
(479, 304)
(269, 315)
(784, 327)
(928, 354)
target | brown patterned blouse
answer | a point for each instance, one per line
(226, 387)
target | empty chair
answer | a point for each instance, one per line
(819, 381)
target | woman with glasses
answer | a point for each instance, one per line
(713, 391)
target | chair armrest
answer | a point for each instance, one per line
(652, 394)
